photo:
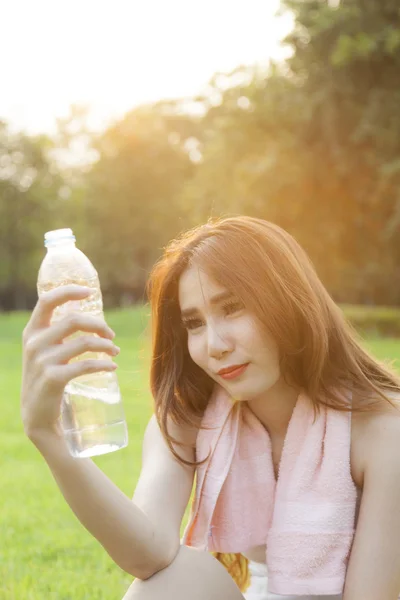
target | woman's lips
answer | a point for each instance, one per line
(235, 373)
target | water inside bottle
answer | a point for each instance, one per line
(92, 417)
(92, 304)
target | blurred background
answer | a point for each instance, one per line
(132, 121)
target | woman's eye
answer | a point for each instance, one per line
(232, 307)
(191, 323)
(229, 308)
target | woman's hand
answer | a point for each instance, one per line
(46, 369)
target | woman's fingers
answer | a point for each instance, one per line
(46, 370)
(60, 375)
(62, 353)
(48, 301)
(70, 324)
(45, 340)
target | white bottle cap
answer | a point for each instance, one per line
(51, 237)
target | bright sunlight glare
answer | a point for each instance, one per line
(112, 55)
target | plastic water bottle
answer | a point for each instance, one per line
(92, 415)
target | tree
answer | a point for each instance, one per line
(29, 205)
(346, 56)
(313, 144)
(132, 207)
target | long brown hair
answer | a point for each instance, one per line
(320, 351)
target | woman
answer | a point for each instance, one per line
(261, 388)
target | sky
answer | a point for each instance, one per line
(113, 55)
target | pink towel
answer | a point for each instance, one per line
(306, 518)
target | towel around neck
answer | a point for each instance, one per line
(306, 518)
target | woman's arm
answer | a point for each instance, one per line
(141, 536)
(374, 567)
(123, 529)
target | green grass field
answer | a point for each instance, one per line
(45, 553)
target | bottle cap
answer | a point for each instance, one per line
(51, 237)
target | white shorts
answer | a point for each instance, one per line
(258, 589)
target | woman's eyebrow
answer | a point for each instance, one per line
(187, 312)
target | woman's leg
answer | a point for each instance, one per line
(193, 574)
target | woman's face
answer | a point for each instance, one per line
(222, 333)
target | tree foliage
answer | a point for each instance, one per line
(312, 143)
(30, 201)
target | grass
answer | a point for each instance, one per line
(45, 553)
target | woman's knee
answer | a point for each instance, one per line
(193, 573)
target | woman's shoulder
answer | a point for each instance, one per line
(372, 428)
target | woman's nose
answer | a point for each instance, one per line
(218, 341)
